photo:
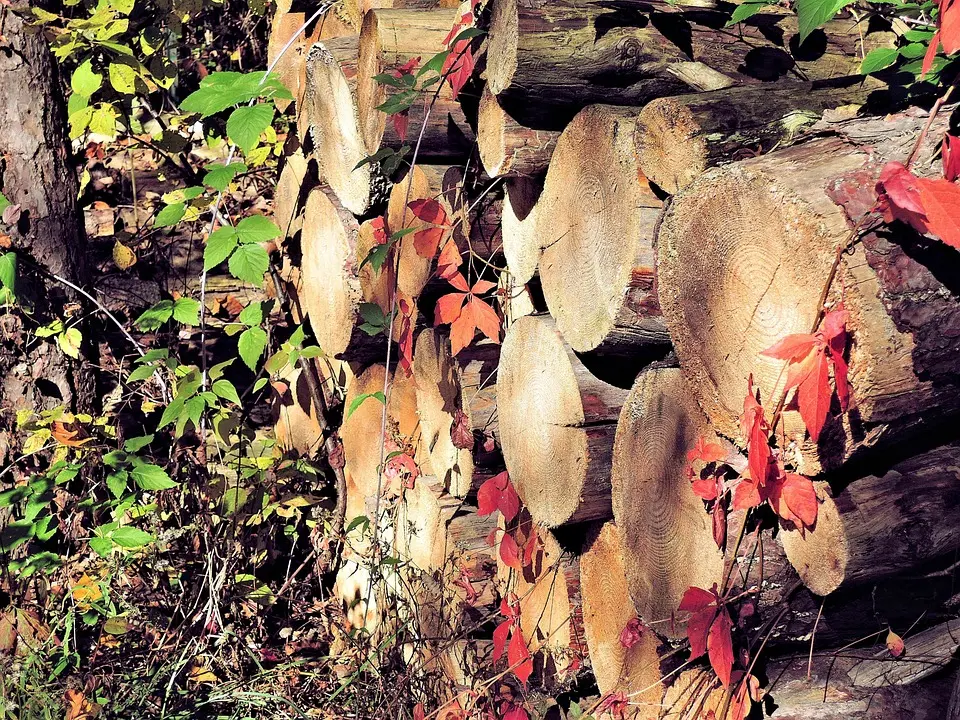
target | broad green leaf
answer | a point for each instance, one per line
(220, 176)
(252, 314)
(220, 244)
(117, 483)
(4, 202)
(249, 263)
(170, 215)
(84, 80)
(226, 390)
(216, 372)
(257, 228)
(246, 123)
(140, 373)
(357, 401)
(878, 59)
(152, 477)
(913, 50)
(104, 120)
(187, 311)
(811, 14)
(123, 78)
(130, 537)
(8, 272)
(744, 11)
(377, 256)
(101, 546)
(69, 341)
(434, 64)
(181, 194)
(80, 121)
(171, 412)
(137, 443)
(251, 345)
(154, 317)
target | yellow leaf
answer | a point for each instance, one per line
(86, 591)
(203, 674)
(123, 257)
(78, 707)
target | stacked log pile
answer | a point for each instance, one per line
(657, 201)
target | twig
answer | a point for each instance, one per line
(813, 636)
(941, 101)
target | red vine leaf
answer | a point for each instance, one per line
(428, 210)
(631, 633)
(755, 429)
(719, 524)
(794, 499)
(448, 264)
(401, 121)
(500, 639)
(519, 657)
(813, 394)
(898, 197)
(949, 22)
(720, 646)
(941, 200)
(510, 553)
(950, 152)
(616, 704)
(509, 711)
(497, 493)
(706, 452)
(895, 644)
(461, 431)
(405, 342)
(708, 488)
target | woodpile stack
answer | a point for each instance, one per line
(648, 201)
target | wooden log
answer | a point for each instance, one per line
(282, 28)
(389, 39)
(521, 241)
(546, 61)
(667, 537)
(557, 423)
(908, 511)
(596, 220)
(926, 653)
(508, 148)
(297, 429)
(443, 395)
(475, 205)
(743, 255)
(289, 198)
(678, 138)
(341, 21)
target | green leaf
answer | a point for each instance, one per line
(171, 412)
(170, 215)
(249, 263)
(434, 64)
(399, 102)
(378, 156)
(117, 483)
(744, 11)
(360, 398)
(221, 176)
(182, 194)
(226, 390)
(80, 121)
(388, 79)
(376, 257)
(101, 546)
(104, 120)
(260, 384)
(137, 443)
(130, 537)
(187, 311)
(256, 228)
(252, 314)
(251, 345)
(921, 36)
(246, 123)
(878, 59)
(467, 34)
(4, 202)
(8, 271)
(152, 477)
(216, 372)
(913, 51)
(220, 244)
(156, 316)
(69, 341)
(811, 14)
(141, 373)
(123, 78)
(84, 80)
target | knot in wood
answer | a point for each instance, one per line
(628, 54)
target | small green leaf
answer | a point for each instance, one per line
(246, 123)
(84, 80)
(746, 10)
(220, 176)
(69, 341)
(811, 14)
(152, 477)
(249, 263)
(170, 215)
(141, 373)
(220, 244)
(156, 316)
(251, 345)
(137, 443)
(376, 257)
(171, 412)
(187, 311)
(434, 64)
(256, 228)
(101, 546)
(130, 537)
(226, 390)
(104, 120)
(878, 59)
(117, 483)
(123, 78)
(357, 401)
(252, 314)
(913, 51)
(216, 372)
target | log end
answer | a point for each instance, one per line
(502, 45)
(491, 125)
(670, 148)
(370, 93)
(820, 555)
(521, 244)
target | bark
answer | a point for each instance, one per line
(598, 219)
(678, 138)
(36, 173)
(557, 423)
(388, 39)
(508, 148)
(546, 61)
(907, 511)
(744, 253)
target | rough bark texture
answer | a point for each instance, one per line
(36, 173)
(557, 423)
(547, 60)
(678, 138)
(744, 253)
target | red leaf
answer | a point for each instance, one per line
(458, 67)
(834, 328)
(379, 230)
(895, 644)
(519, 657)
(497, 493)
(428, 210)
(949, 22)
(461, 431)
(792, 347)
(466, 20)
(405, 342)
(799, 495)
(401, 120)
(448, 308)
(530, 548)
(460, 283)
(746, 495)
(418, 712)
(500, 638)
(898, 197)
(754, 428)
(407, 68)
(706, 452)
(482, 286)
(697, 628)
(951, 157)
(615, 704)
(720, 524)
(448, 264)
(509, 711)
(463, 329)
(930, 54)
(941, 200)
(510, 553)
(427, 241)
(509, 500)
(631, 633)
(740, 703)
(485, 318)
(696, 599)
(707, 488)
(814, 394)
(720, 646)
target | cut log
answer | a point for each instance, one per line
(508, 148)
(422, 183)
(678, 138)
(289, 199)
(297, 429)
(330, 112)
(597, 216)
(667, 537)
(744, 253)
(557, 423)
(475, 205)
(546, 61)
(282, 29)
(909, 512)
(925, 654)
(388, 40)
(521, 240)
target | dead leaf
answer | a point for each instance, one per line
(123, 257)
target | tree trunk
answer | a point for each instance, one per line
(557, 423)
(597, 219)
(508, 148)
(546, 61)
(36, 173)
(744, 253)
(678, 138)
